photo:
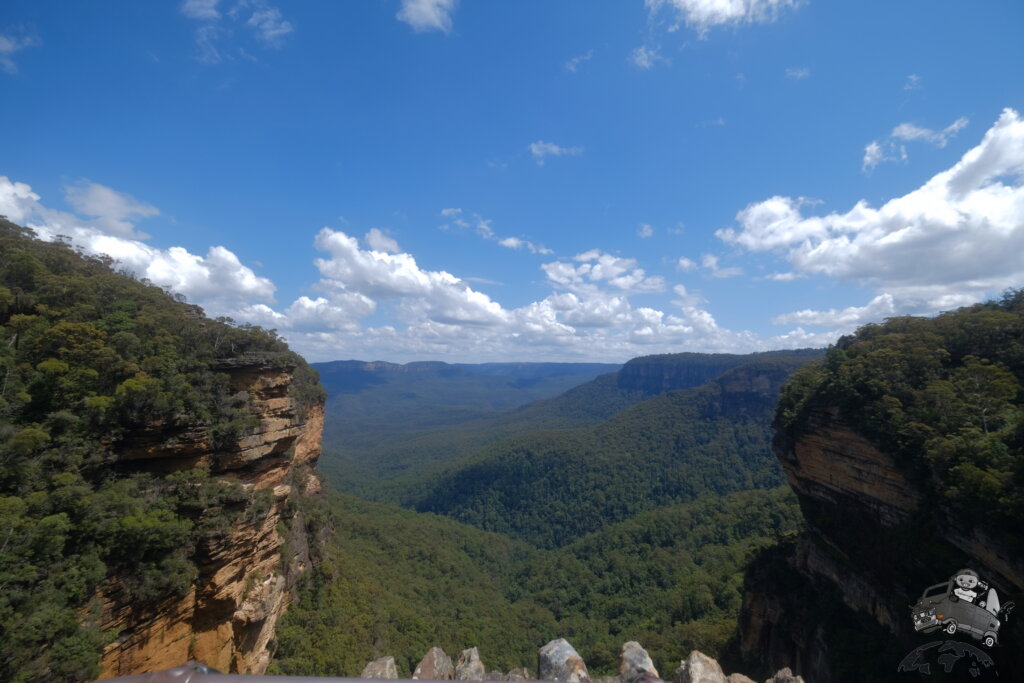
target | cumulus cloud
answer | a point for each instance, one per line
(217, 281)
(710, 261)
(597, 269)
(427, 15)
(644, 231)
(955, 240)
(540, 150)
(10, 43)
(378, 241)
(939, 138)
(268, 24)
(684, 264)
(846, 319)
(115, 213)
(702, 15)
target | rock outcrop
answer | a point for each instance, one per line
(436, 665)
(380, 668)
(469, 667)
(875, 539)
(635, 664)
(559, 661)
(247, 576)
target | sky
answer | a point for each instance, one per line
(527, 180)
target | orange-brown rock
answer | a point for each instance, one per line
(227, 619)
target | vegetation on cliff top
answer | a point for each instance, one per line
(944, 395)
(88, 356)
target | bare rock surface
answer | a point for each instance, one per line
(699, 668)
(436, 665)
(520, 674)
(559, 661)
(469, 667)
(380, 668)
(635, 663)
(785, 676)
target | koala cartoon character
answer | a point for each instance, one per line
(967, 585)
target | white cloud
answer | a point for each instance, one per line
(598, 269)
(540, 150)
(877, 152)
(798, 73)
(710, 261)
(200, 9)
(269, 25)
(645, 57)
(846, 319)
(427, 15)
(645, 230)
(11, 43)
(115, 213)
(913, 82)
(218, 281)
(684, 264)
(517, 243)
(573, 64)
(216, 28)
(939, 138)
(378, 241)
(703, 15)
(955, 240)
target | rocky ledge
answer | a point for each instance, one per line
(247, 575)
(559, 661)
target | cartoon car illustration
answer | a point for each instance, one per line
(941, 608)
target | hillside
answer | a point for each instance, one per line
(549, 487)
(150, 461)
(905, 448)
(398, 582)
(381, 462)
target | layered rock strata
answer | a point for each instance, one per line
(875, 539)
(246, 577)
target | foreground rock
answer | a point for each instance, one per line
(635, 664)
(559, 661)
(699, 668)
(380, 668)
(436, 665)
(469, 667)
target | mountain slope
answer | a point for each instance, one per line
(552, 486)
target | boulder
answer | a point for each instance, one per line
(435, 666)
(559, 661)
(785, 676)
(699, 668)
(635, 663)
(380, 668)
(495, 676)
(738, 678)
(469, 667)
(520, 674)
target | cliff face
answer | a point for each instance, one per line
(246, 575)
(875, 540)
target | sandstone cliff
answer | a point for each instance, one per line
(246, 575)
(833, 604)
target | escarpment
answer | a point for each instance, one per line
(903, 449)
(246, 573)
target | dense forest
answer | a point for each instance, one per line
(397, 582)
(90, 354)
(550, 487)
(944, 395)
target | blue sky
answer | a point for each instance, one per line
(472, 180)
